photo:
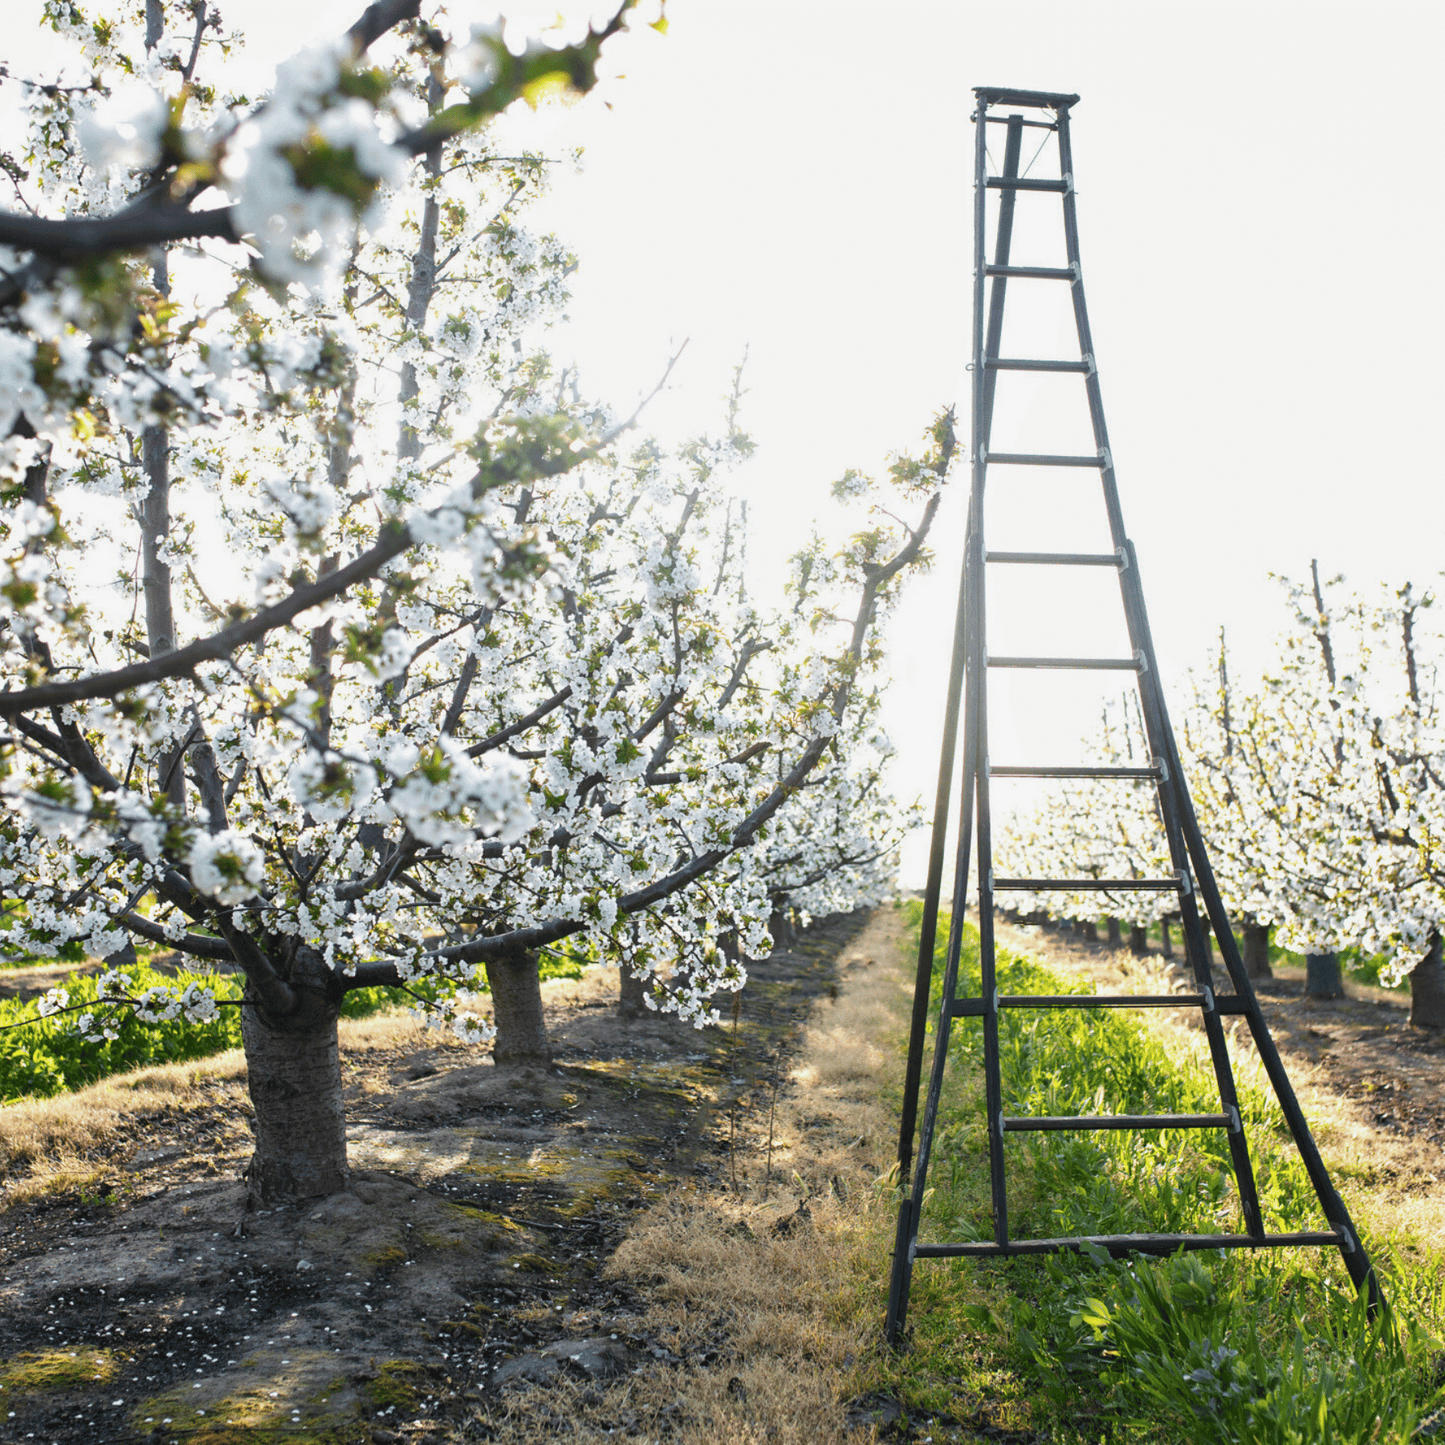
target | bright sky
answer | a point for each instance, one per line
(1259, 215)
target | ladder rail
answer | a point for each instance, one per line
(910, 1206)
(1357, 1264)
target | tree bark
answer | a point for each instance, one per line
(1427, 988)
(1166, 945)
(1138, 940)
(1256, 951)
(155, 520)
(1088, 929)
(780, 926)
(517, 1012)
(1323, 978)
(293, 1071)
(1116, 934)
(630, 995)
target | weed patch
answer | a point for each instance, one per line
(1211, 1348)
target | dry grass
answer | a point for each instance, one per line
(766, 1302)
(68, 1143)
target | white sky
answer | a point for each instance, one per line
(1260, 225)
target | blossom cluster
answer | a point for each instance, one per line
(1319, 787)
(556, 705)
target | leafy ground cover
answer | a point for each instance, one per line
(1207, 1348)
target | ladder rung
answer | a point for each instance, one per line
(1122, 1244)
(1022, 120)
(1042, 459)
(1039, 1123)
(1084, 885)
(972, 1008)
(1026, 183)
(1014, 363)
(1086, 664)
(1058, 559)
(1032, 273)
(1011, 772)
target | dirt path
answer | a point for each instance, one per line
(149, 1305)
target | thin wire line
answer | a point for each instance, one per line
(1037, 153)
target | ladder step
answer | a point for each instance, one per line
(1033, 273)
(972, 1008)
(1039, 1123)
(1010, 772)
(1058, 559)
(1086, 664)
(1013, 363)
(1084, 885)
(1119, 1245)
(1042, 459)
(1025, 183)
(1005, 119)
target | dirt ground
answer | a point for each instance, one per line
(138, 1299)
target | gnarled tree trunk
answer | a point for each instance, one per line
(293, 1070)
(517, 1012)
(1323, 978)
(1255, 951)
(1427, 988)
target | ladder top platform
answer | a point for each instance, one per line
(1036, 99)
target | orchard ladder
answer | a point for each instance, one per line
(1192, 880)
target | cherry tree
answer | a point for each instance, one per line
(1318, 790)
(345, 641)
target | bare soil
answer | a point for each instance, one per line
(145, 1303)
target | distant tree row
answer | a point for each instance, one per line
(1320, 790)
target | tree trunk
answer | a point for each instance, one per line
(293, 1072)
(1323, 978)
(1256, 951)
(1166, 945)
(1116, 935)
(1138, 940)
(1427, 988)
(780, 925)
(1088, 929)
(517, 1012)
(631, 995)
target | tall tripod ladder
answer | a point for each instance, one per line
(1192, 881)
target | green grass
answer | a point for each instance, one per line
(46, 1056)
(1211, 1348)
